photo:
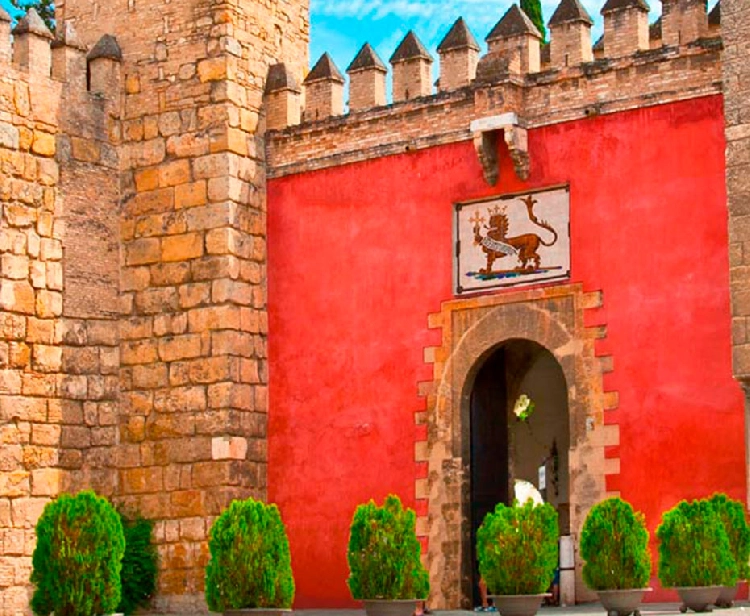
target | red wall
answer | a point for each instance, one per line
(360, 255)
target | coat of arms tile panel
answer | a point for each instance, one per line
(512, 240)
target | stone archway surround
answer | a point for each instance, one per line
(563, 319)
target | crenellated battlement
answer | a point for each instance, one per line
(632, 65)
(35, 52)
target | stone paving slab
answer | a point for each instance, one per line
(741, 608)
(585, 609)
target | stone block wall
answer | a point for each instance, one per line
(192, 330)
(736, 66)
(31, 283)
(58, 259)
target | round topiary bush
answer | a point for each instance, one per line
(614, 544)
(384, 553)
(139, 568)
(518, 549)
(250, 565)
(732, 514)
(694, 548)
(77, 559)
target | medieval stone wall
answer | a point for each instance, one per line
(736, 68)
(58, 259)
(31, 302)
(193, 371)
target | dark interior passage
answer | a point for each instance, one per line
(505, 449)
(489, 447)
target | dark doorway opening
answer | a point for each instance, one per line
(489, 449)
(504, 449)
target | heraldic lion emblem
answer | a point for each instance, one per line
(496, 244)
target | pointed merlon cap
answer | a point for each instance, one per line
(108, 48)
(410, 48)
(4, 15)
(570, 10)
(280, 78)
(619, 5)
(514, 23)
(714, 17)
(458, 37)
(68, 37)
(32, 24)
(325, 70)
(367, 59)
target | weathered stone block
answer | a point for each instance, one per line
(191, 195)
(26, 511)
(47, 358)
(174, 173)
(182, 247)
(151, 376)
(45, 482)
(180, 347)
(15, 267)
(170, 274)
(144, 251)
(43, 144)
(49, 304)
(213, 318)
(17, 296)
(157, 300)
(180, 399)
(228, 448)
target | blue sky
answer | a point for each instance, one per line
(340, 27)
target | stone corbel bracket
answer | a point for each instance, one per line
(486, 132)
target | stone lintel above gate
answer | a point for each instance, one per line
(486, 133)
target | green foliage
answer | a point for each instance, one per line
(694, 547)
(45, 8)
(518, 549)
(77, 559)
(384, 553)
(138, 576)
(614, 544)
(250, 565)
(533, 8)
(732, 514)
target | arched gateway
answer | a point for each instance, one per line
(492, 348)
(506, 446)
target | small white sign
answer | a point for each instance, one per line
(542, 476)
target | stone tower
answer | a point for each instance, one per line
(192, 248)
(735, 16)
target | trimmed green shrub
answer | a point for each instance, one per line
(77, 559)
(139, 569)
(614, 544)
(518, 549)
(732, 514)
(694, 547)
(384, 553)
(250, 565)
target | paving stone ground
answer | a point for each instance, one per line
(586, 609)
(741, 608)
